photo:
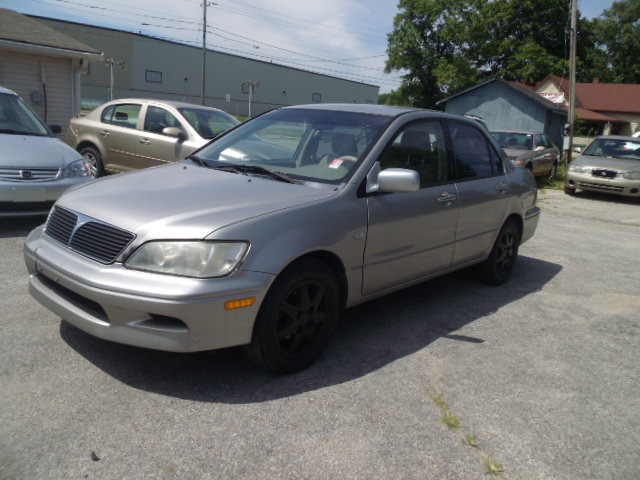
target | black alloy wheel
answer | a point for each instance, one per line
(497, 268)
(297, 318)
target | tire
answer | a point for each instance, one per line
(569, 190)
(553, 171)
(497, 268)
(296, 319)
(92, 155)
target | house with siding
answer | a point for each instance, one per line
(508, 105)
(43, 66)
(601, 108)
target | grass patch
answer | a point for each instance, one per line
(557, 181)
(471, 439)
(441, 402)
(450, 420)
(492, 466)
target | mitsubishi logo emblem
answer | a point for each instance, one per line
(25, 174)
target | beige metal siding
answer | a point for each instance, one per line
(22, 73)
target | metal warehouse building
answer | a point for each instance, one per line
(149, 67)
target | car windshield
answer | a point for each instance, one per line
(519, 141)
(208, 123)
(17, 118)
(323, 146)
(613, 147)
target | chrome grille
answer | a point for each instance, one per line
(28, 174)
(599, 186)
(604, 173)
(87, 236)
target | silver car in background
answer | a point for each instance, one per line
(263, 236)
(35, 167)
(133, 133)
(610, 164)
(532, 150)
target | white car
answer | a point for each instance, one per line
(35, 167)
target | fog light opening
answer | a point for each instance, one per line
(634, 190)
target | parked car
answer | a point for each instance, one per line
(609, 164)
(532, 150)
(478, 119)
(333, 206)
(35, 167)
(134, 133)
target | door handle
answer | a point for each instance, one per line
(145, 141)
(502, 187)
(446, 197)
(104, 133)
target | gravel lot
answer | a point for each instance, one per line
(543, 372)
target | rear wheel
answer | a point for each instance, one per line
(92, 155)
(496, 269)
(296, 319)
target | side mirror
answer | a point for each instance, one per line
(392, 180)
(55, 129)
(539, 148)
(174, 132)
(577, 149)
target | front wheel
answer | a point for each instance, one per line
(554, 170)
(569, 190)
(296, 319)
(497, 268)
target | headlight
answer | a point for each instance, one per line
(576, 167)
(631, 175)
(79, 168)
(190, 258)
(516, 161)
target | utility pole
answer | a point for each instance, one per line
(204, 49)
(572, 76)
(110, 62)
(252, 84)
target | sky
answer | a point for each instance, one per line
(341, 38)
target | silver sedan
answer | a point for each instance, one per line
(262, 237)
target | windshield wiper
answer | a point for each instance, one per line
(198, 160)
(255, 169)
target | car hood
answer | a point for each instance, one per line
(184, 201)
(30, 151)
(515, 152)
(620, 164)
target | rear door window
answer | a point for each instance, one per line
(123, 115)
(473, 156)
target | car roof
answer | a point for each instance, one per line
(375, 109)
(626, 138)
(172, 103)
(7, 91)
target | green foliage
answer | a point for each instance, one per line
(395, 97)
(443, 46)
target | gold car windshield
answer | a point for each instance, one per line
(306, 144)
(614, 147)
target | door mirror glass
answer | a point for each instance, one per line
(539, 148)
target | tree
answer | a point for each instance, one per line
(443, 46)
(616, 34)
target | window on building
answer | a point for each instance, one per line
(316, 97)
(153, 76)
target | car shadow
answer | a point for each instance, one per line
(369, 337)
(20, 227)
(606, 197)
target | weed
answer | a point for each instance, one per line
(450, 420)
(492, 466)
(441, 402)
(471, 439)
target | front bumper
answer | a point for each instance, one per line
(143, 309)
(26, 198)
(618, 185)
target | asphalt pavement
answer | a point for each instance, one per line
(541, 376)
